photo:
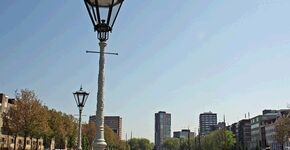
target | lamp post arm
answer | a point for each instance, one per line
(102, 52)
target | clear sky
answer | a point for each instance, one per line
(184, 57)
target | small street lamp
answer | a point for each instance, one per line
(103, 14)
(80, 98)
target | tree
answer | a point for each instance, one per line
(85, 143)
(219, 139)
(11, 123)
(123, 145)
(28, 107)
(70, 129)
(224, 139)
(30, 119)
(40, 126)
(57, 129)
(140, 144)
(111, 137)
(282, 127)
(89, 130)
(172, 144)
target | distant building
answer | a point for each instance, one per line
(5, 104)
(176, 134)
(232, 128)
(270, 135)
(258, 132)
(243, 134)
(162, 128)
(270, 129)
(114, 122)
(220, 125)
(184, 133)
(207, 122)
(92, 119)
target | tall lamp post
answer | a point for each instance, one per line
(103, 14)
(80, 98)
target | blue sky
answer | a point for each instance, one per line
(229, 57)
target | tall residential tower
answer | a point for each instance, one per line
(162, 128)
(207, 122)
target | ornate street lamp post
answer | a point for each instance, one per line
(103, 14)
(80, 98)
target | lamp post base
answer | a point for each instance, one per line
(99, 144)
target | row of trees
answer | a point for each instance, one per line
(113, 140)
(140, 144)
(29, 118)
(216, 140)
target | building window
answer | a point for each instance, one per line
(19, 141)
(28, 142)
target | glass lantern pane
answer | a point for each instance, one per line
(114, 14)
(85, 98)
(80, 98)
(76, 98)
(104, 13)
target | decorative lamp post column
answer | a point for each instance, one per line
(80, 98)
(103, 14)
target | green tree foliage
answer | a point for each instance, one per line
(181, 143)
(140, 144)
(89, 131)
(172, 144)
(30, 119)
(123, 145)
(11, 123)
(28, 108)
(85, 143)
(217, 140)
(70, 129)
(111, 137)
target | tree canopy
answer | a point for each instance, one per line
(140, 144)
(29, 118)
(282, 128)
(172, 144)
